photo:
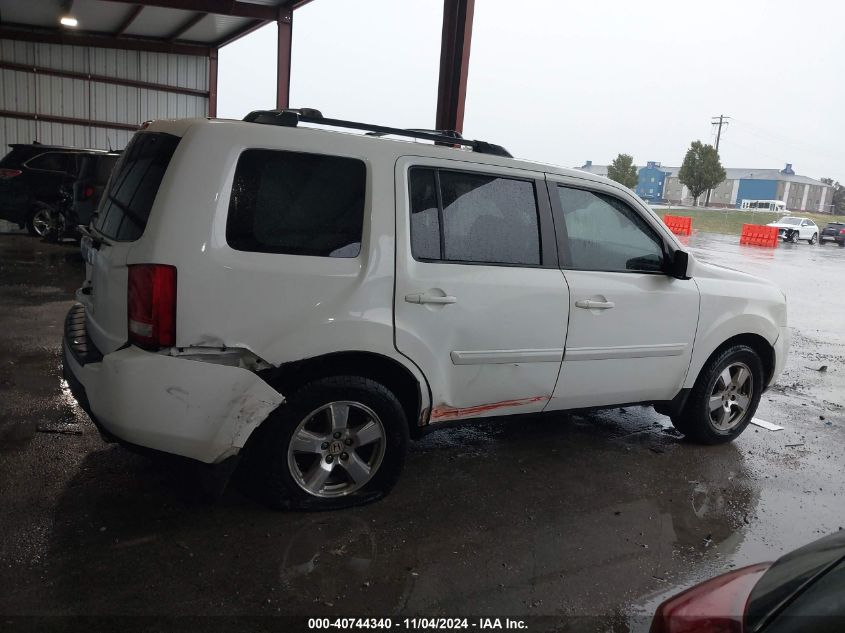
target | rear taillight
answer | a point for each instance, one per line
(151, 305)
(715, 606)
(10, 173)
(88, 192)
(841, 231)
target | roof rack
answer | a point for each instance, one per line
(292, 118)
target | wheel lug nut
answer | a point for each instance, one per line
(344, 456)
(324, 445)
(336, 435)
(348, 441)
(329, 459)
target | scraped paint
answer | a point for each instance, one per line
(443, 412)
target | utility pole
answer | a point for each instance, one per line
(718, 121)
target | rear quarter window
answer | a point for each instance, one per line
(297, 204)
(16, 157)
(131, 191)
(53, 161)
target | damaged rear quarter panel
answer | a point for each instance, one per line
(202, 410)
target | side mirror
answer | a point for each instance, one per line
(678, 265)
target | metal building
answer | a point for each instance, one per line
(122, 63)
(86, 73)
(660, 185)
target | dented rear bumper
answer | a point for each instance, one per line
(195, 408)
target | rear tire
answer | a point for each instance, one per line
(39, 221)
(724, 398)
(813, 239)
(336, 442)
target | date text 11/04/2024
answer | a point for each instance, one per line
(357, 624)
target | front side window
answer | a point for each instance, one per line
(468, 217)
(604, 233)
(297, 204)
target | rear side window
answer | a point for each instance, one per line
(132, 189)
(53, 161)
(104, 167)
(478, 218)
(297, 204)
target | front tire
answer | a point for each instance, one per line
(336, 442)
(724, 398)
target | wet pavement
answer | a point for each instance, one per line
(596, 516)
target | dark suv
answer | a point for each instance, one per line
(834, 231)
(32, 178)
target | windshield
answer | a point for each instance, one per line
(791, 221)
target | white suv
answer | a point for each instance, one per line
(309, 299)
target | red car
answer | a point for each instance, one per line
(803, 591)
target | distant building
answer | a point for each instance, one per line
(658, 184)
(652, 181)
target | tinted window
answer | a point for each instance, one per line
(298, 204)
(14, 158)
(425, 215)
(52, 161)
(819, 608)
(604, 233)
(134, 184)
(104, 167)
(477, 218)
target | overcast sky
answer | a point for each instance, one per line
(566, 82)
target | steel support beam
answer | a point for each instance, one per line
(221, 7)
(49, 118)
(285, 40)
(185, 27)
(232, 37)
(104, 79)
(130, 18)
(212, 84)
(454, 64)
(25, 33)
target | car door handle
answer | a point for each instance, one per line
(588, 304)
(424, 297)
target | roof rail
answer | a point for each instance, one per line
(292, 118)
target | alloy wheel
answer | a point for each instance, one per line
(336, 449)
(42, 222)
(731, 397)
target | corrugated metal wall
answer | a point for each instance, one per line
(83, 99)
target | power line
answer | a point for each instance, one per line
(717, 121)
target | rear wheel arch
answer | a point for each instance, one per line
(290, 377)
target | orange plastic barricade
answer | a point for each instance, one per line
(678, 224)
(758, 235)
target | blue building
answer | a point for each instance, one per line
(657, 184)
(651, 180)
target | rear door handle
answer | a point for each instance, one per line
(423, 297)
(588, 304)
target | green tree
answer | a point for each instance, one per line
(837, 202)
(701, 169)
(623, 170)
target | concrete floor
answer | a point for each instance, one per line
(596, 516)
